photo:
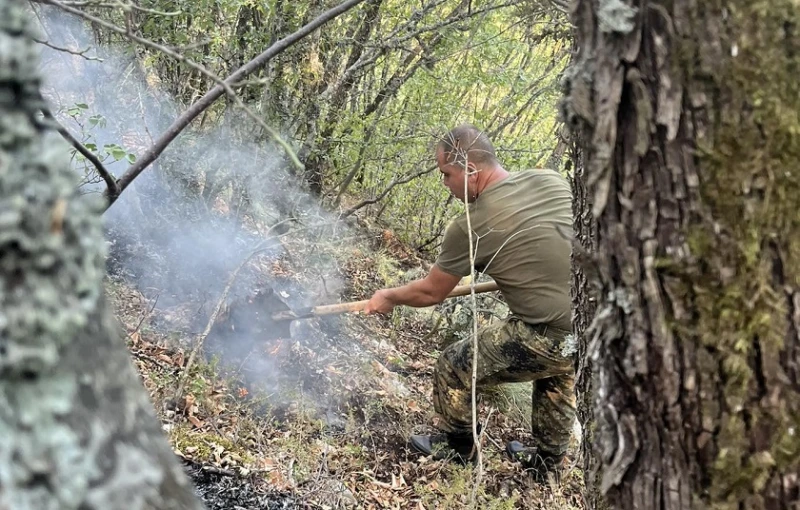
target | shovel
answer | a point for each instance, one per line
(266, 317)
(357, 306)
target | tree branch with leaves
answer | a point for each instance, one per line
(223, 86)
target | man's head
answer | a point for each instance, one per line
(463, 154)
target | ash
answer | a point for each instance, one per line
(234, 492)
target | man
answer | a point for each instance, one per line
(520, 226)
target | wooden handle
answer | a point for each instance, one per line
(357, 306)
(353, 306)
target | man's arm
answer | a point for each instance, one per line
(431, 290)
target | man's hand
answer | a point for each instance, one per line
(380, 303)
(431, 290)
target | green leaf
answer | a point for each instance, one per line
(118, 153)
(97, 120)
(82, 106)
(91, 146)
(131, 158)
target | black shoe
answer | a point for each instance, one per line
(444, 446)
(538, 463)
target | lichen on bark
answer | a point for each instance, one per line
(50, 241)
(748, 257)
(76, 428)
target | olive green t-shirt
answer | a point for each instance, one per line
(520, 227)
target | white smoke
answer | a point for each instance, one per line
(203, 207)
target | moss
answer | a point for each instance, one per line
(747, 159)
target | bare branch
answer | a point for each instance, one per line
(194, 65)
(395, 182)
(106, 5)
(366, 58)
(455, 17)
(359, 164)
(79, 53)
(476, 438)
(223, 86)
(561, 5)
(411, 32)
(151, 11)
(125, 6)
(111, 182)
(141, 40)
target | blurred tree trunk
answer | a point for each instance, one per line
(76, 427)
(688, 116)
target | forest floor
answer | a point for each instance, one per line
(322, 421)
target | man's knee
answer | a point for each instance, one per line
(450, 369)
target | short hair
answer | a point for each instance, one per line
(466, 143)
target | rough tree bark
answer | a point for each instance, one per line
(583, 287)
(688, 116)
(584, 299)
(77, 429)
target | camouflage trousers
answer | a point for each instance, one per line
(511, 351)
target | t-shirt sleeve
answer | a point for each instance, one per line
(454, 256)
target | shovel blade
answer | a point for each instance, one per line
(250, 320)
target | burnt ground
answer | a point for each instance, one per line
(319, 418)
(227, 490)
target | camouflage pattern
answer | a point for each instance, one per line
(512, 351)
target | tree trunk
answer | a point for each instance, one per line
(76, 427)
(688, 115)
(584, 299)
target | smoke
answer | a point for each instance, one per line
(218, 196)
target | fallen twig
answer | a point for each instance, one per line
(212, 320)
(148, 358)
(144, 317)
(218, 471)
